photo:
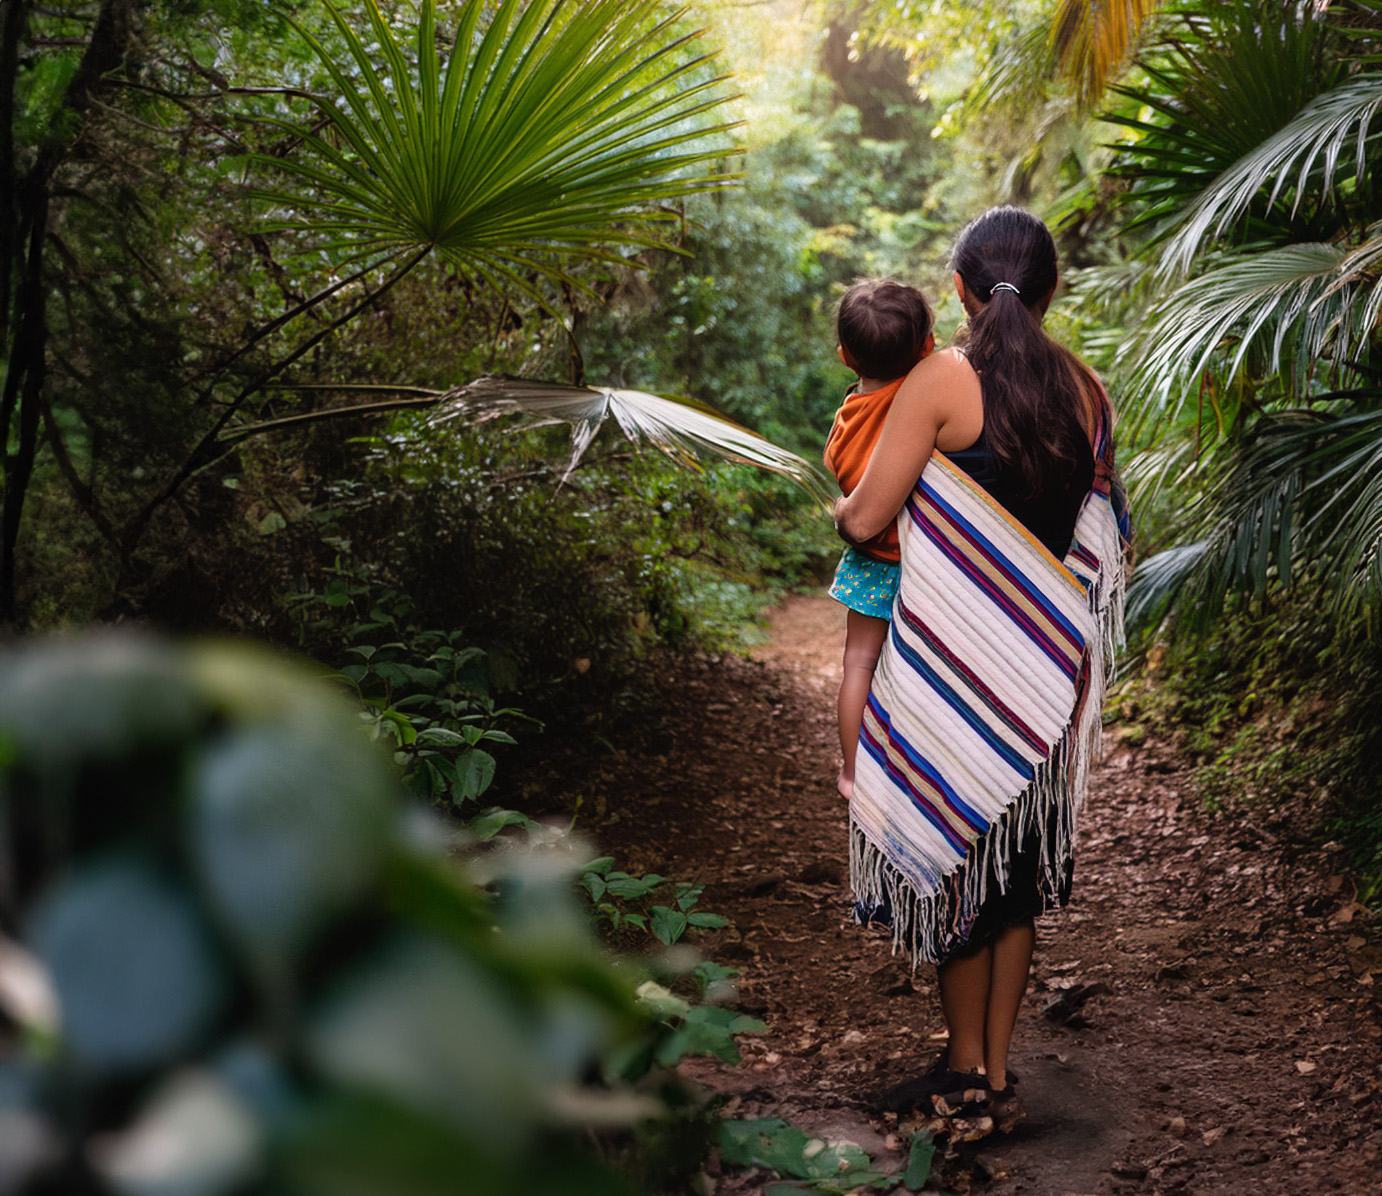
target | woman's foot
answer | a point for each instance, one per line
(1004, 1108)
(940, 1091)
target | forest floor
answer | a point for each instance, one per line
(1232, 1041)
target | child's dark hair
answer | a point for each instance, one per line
(1035, 391)
(883, 326)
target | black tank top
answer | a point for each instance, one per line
(1051, 516)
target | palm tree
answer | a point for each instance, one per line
(1250, 174)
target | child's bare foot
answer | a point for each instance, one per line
(845, 785)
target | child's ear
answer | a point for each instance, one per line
(930, 342)
(844, 359)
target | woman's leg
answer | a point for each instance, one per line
(965, 985)
(864, 636)
(1012, 962)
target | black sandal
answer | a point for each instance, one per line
(955, 1088)
(939, 1092)
(1003, 1107)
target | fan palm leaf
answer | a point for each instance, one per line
(1228, 81)
(550, 134)
(1240, 537)
(1306, 151)
(1348, 524)
(682, 428)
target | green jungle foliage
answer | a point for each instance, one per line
(272, 976)
(227, 222)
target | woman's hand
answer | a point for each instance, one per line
(924, 403)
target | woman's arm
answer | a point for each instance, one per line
(905, 445)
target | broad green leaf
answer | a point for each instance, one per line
(442, 737)
(772, 1144)
(632, 888)
(661, 1002)
(769, 1143)
(708, 921)
(919, 1161)
(668, 924)
(403, 727)
(289, 824)
(136, 972)
(474, 773)
(427, 1026)
(485, 826)
(708, 974)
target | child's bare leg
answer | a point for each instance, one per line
(864, 636)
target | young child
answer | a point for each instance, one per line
(884, 329)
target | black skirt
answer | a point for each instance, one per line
(1034, 886)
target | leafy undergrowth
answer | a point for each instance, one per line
(1280, 717)
(806, 1164)
(431, 699)
(241, 943)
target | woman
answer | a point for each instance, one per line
(985, 707)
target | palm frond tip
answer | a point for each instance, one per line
(1281, 301)
(1317, 137)
(1092, 37)
(682, 429)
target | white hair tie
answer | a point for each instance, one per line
(1004, 286)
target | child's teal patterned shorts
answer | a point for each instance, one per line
(866, 584)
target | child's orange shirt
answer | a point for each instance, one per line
(853, 435)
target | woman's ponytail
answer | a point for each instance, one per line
(1036, 397)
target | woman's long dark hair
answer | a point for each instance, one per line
(1037, 395)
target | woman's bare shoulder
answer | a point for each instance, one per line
(937, 373)
(944, 363)
(939, 383)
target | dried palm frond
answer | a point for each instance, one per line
(681, 428)
(1092, 37)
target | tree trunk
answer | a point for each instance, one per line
(26, 216)
(28, 361)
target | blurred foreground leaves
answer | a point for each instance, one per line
(238, 962)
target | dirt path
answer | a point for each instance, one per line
(1236, 1042)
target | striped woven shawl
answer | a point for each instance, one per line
(985, 708)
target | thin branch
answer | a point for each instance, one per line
(81, 491)
(291, 92)
(279, 321)
(211, 446)
(286, 422)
